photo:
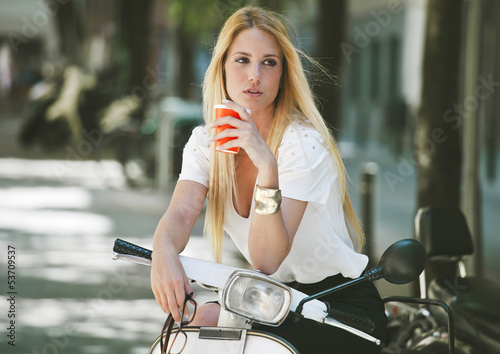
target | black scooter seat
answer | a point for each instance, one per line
(475, 304)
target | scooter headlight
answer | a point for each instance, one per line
(256, 297)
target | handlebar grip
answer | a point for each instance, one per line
(362, 323)
(124, 247)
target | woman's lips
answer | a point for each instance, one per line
(253, 93)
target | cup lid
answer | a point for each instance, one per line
(226, 107)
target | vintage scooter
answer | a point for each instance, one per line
(248, 296)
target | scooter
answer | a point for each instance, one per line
(249, 296)
(78, 112)
(457, 313)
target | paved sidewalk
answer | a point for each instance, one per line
(71, 297)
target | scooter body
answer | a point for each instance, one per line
(247, 297)
(216, 340)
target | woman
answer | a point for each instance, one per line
(283, 199)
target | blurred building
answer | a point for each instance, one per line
(382, 89)
(384, 52)
(382, 92)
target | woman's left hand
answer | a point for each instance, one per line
(248, 137)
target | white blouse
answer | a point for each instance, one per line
(322, 246)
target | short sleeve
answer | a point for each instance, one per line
(195, 157)
(307, 170)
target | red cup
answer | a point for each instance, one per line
(224, 111)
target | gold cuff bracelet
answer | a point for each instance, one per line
(267, 201)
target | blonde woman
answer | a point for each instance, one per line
(283, 198)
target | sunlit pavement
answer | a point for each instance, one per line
(70, 296)
(62, 219)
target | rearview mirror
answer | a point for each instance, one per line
(401, 263)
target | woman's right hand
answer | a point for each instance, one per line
(169, 282)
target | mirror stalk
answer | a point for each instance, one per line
(328, 292)
(401, 263)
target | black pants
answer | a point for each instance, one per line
(312, 337)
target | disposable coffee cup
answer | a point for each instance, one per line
(224, 111)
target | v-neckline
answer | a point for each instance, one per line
(251, 204)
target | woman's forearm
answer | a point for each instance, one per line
(171, 234)
(175, 226)
(269, 242)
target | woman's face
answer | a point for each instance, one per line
(253, 70)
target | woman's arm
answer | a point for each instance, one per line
(168, 280)
(271, 236)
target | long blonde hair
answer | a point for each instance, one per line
(294, 101)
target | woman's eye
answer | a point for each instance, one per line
(242, 60)
(270, 62)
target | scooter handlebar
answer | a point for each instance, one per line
(362, 323)
(127, 248)
(216, 274)
(212, 274)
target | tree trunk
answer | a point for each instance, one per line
(330, 34)
(186, 86)
(135, 29)
(437, 144)
(69, 25)
(438, 136)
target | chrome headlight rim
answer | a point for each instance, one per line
(257, 275)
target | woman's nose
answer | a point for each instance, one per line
(254, 74)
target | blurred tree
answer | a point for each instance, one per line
(330, 29)
(69, 25)
(133, 22)
(134, 30)
(437, 141)
(438, 147)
